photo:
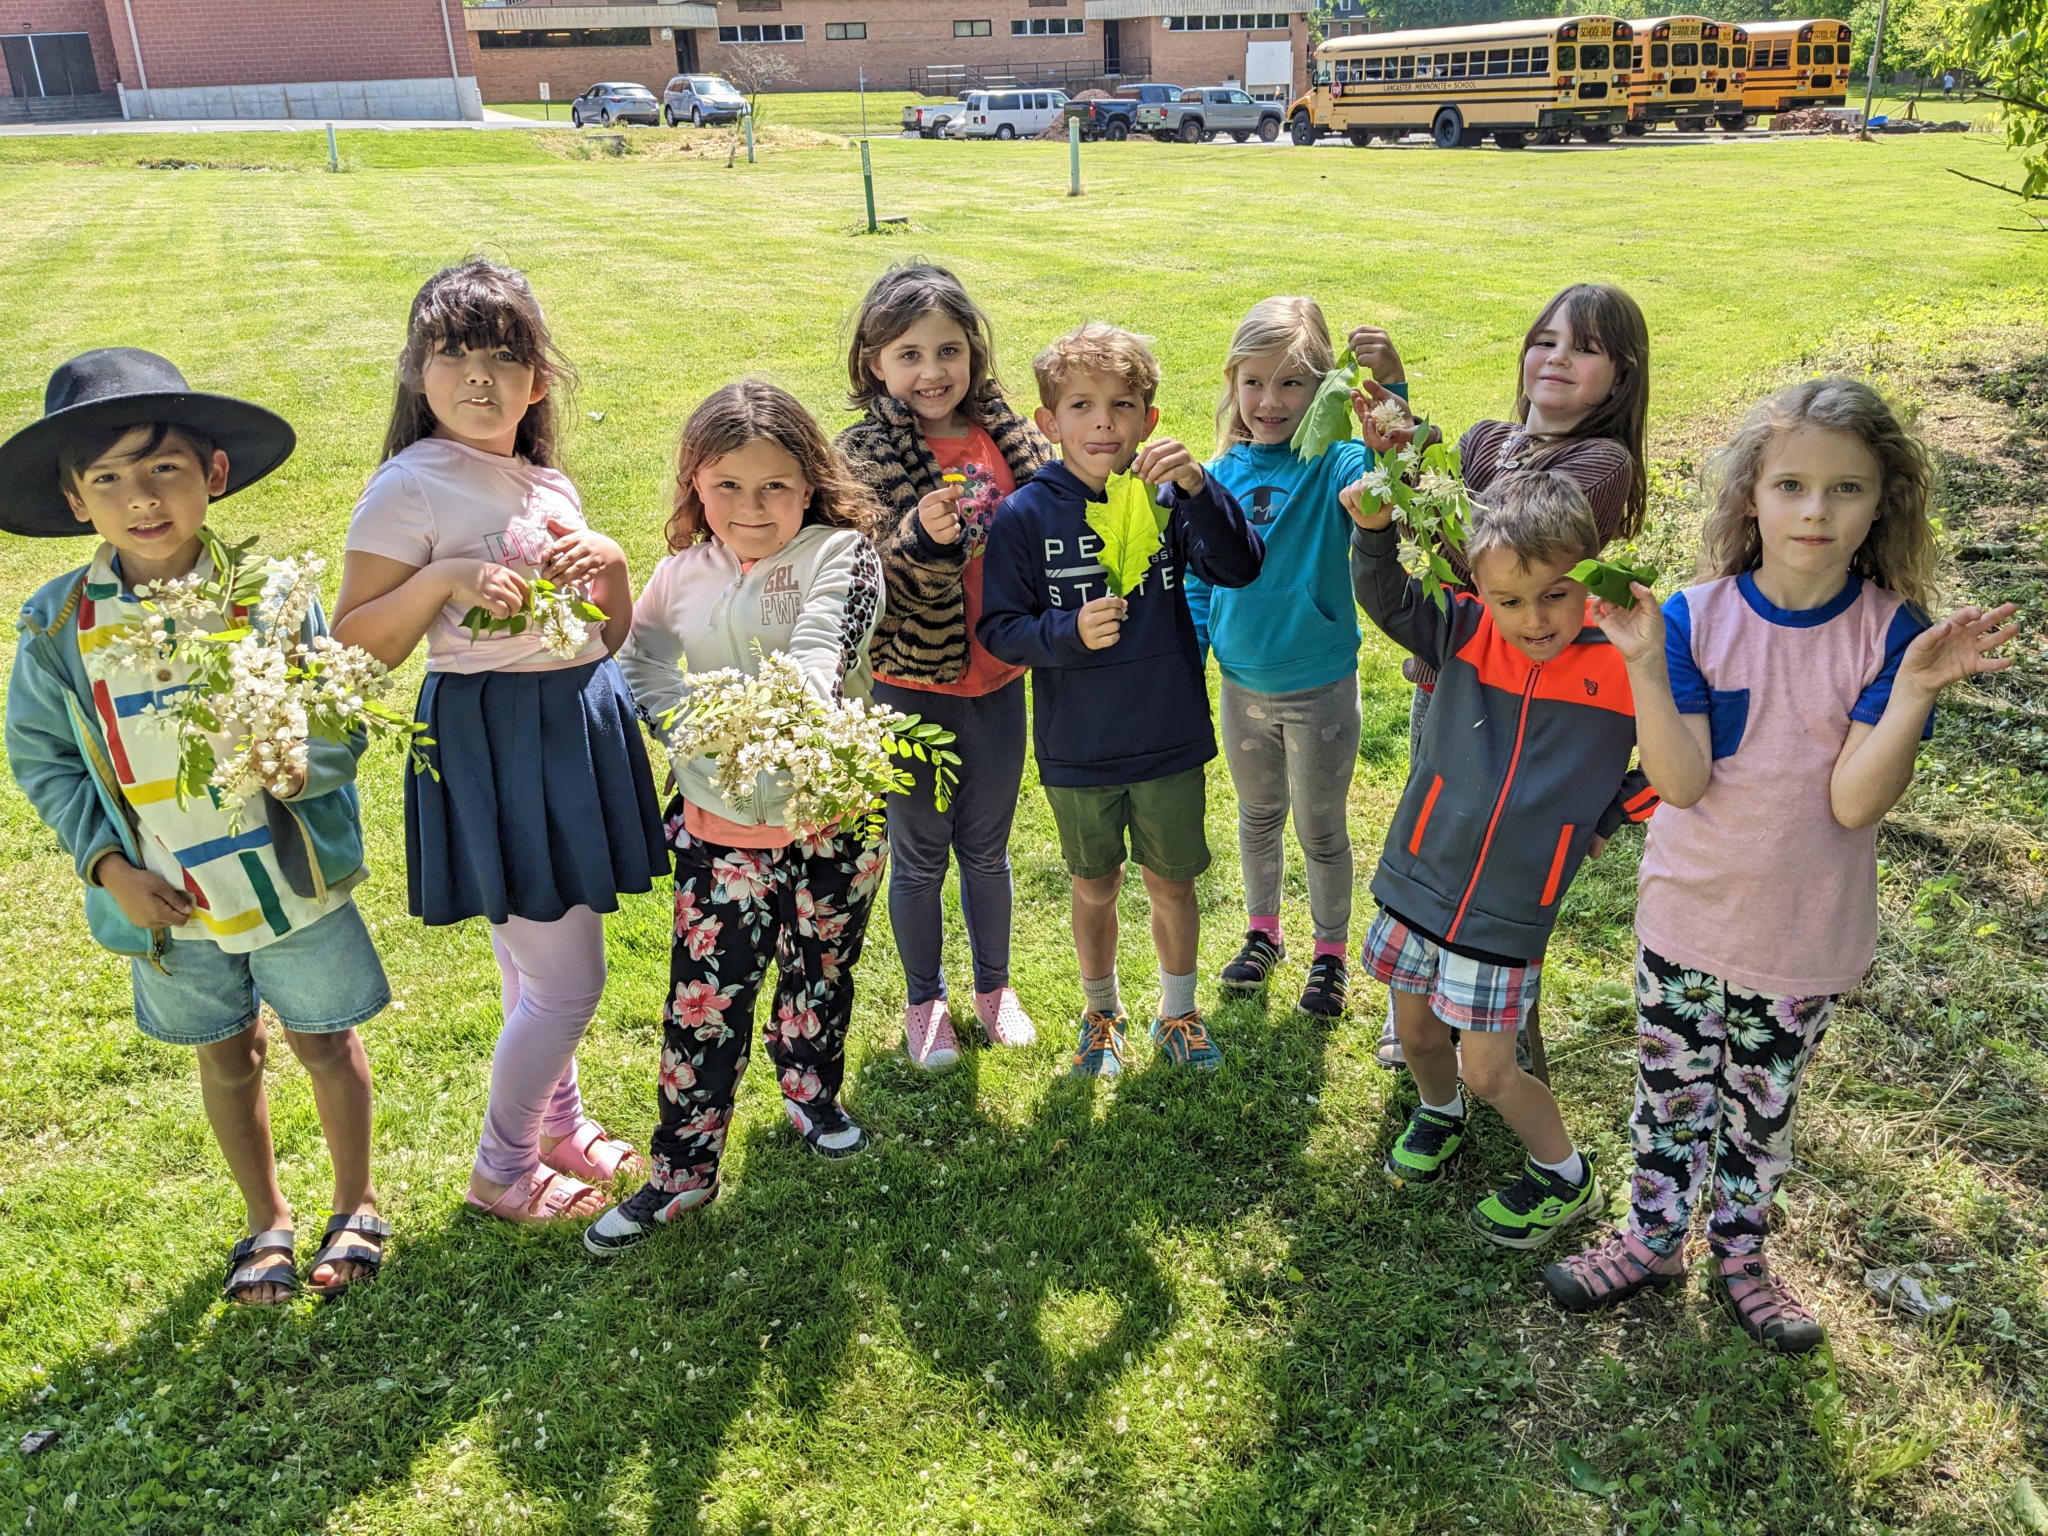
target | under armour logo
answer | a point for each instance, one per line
(1592, 688)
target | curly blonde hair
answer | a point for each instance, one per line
(1096, 347)
(731, 418)
(1898, 553)
(1293, 326)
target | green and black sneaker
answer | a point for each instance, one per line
(1537, 1206)
(1429, 1141)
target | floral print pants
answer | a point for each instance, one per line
(806, 906)
(1717, 1082)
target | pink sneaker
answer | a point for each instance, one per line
(1612, 1270)
(1004, 1018)
(928, 1036)
(1769, 1310)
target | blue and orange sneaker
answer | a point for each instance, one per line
(1103, 1051)
(1185, 1042)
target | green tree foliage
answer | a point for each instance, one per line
(2004, 45)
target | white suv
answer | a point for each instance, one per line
(1006, 114)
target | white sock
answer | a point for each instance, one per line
(1572, 1170)
(1176, 994)
(1102, 995)
(1455, 1109)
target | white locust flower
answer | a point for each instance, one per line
(562, 634)
(1389, 416)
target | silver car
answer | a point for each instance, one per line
(701, 99)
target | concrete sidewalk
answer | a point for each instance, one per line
(265, 125)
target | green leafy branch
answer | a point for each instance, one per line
(540, 592)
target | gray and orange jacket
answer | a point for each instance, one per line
(1522, 765)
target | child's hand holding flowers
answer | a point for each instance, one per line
(1384, 420)
(938, 513)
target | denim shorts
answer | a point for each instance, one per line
(1465, 993)
(318, 980)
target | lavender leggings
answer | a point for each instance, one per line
(554, 976)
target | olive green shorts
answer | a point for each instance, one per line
(1163, 818)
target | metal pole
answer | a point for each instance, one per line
(749, 120)
(863, 103)
(333, 153)
(867, 176)
(1870, 82)
(1074, 156)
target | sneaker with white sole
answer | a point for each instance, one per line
(1004, 1018)
(633, 1220)
(928, 1035)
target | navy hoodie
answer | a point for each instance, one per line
(1135, 710)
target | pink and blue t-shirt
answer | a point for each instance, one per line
(1758, 883)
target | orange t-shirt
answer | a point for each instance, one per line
(988, 481)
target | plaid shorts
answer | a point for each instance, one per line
(1464, 993)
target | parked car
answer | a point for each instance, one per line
(1212, 109)
(1116, 117)
(702, 99)
(615, 101)
(928, 119)
(1006, 114)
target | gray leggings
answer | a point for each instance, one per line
(1294, 751)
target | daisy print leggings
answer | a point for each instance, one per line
(1716, 1086)
(805, 906)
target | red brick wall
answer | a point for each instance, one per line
(281, 42)
(1210, 58)
(514, 74)
(87, 16)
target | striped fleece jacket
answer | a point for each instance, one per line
(1522, 765)
(923, 635)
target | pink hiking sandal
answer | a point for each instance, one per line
(1769, 1310)
(593, 1154)
(1612, 1270)
(539, 1197)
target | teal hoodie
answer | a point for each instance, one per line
(1296, 626)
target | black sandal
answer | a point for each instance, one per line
(344, 1242)
(278, 1245)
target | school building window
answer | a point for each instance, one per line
(846, 31)
(572, 37)
(771, 33)
(1228, 21)
(971, 29)
(1041, 26)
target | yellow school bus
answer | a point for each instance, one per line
(1544, 78)
(1734, 69)
(1796, 64)
(1677, 60)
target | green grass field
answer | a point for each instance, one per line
(1037, 1307)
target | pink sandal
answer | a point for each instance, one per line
(593, 1155)
(539, 1197)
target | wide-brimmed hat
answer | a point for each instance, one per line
(125, 387)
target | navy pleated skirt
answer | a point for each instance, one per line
(545, 800)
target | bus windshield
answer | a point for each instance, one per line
(1593, 56)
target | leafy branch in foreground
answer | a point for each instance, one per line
(564, 615)
(1425, 489)
(1609, 579)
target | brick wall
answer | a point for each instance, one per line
(87, 16)
(258, 42)
(515, 74)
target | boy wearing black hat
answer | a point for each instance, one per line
(216, 915)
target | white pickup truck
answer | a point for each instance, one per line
(928, 119)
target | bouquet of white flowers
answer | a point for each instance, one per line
(837, 759)
(563, 614)
(255, 689)
(1428, 496)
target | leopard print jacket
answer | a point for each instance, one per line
(923, 634)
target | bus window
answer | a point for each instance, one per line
(1682, 55)
(1518, 62)
(1497, 61)
(1407, 66)
(1659, 56)
(1442, 68)
(1823, 54)
(1457, 66)
(1805, 54)
(1567, 57)
(1741, 58)
(1624, 56)
(1593, 56)
(1782, 59)
(1539, 61)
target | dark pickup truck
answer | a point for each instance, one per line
(1116, 117)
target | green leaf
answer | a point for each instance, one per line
(1328, 417)
(1585, 1477)
(2027, 1508)
(1129, 521)
(1610, 579)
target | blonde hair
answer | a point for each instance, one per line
(1538, 516)
(752, 409)
(1899, 551)
(1292, 326)
(1096, 347)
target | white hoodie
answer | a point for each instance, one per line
(819, 598)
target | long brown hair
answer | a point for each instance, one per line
(1602, 313)
(1899, 551)
(1294, 326)
(901, 297)
(478, 303)
(742, 413)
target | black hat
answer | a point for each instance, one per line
(125, 387)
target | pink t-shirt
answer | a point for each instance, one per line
(1758, 883)
(440, 500)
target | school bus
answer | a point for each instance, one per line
(1734, 70)
(1543, 77)
(1796, 64)
(1677, 63)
